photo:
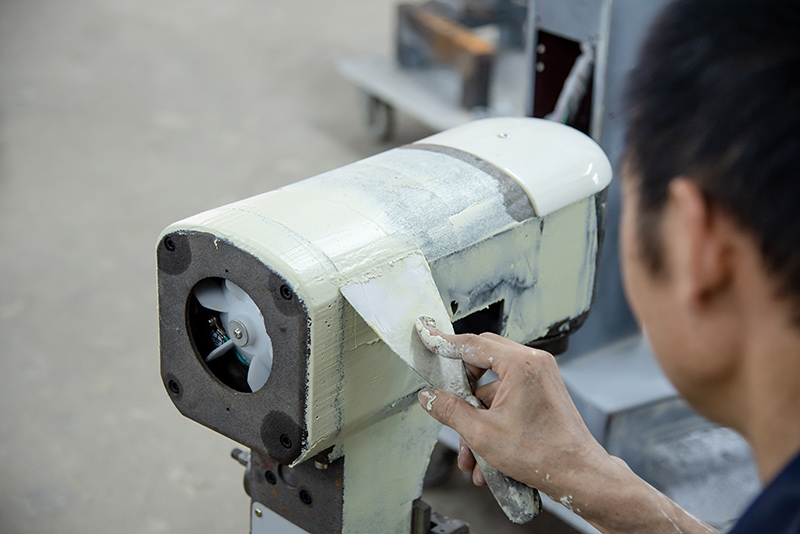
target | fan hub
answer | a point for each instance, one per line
(238, 333)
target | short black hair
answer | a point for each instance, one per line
(715, 97)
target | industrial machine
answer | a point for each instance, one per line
(259, 343)
(571, 67)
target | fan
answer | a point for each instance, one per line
(244, 327)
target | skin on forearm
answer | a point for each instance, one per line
(614, 500)
(532, 432)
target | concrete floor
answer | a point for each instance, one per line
(118, 117)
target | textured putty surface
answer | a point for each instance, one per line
(117, 118)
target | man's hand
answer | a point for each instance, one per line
(533, 433)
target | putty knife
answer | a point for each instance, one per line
(390, 300)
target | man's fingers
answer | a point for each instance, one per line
(477, 477)
(437, 341)
(466, 460)
(474, 350)
(500, 339)
(450, 410)
(467, 463)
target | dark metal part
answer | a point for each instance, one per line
(420, 517)
(229, 407)
(425, 521)
(508, 15)
(555, 57)
(314, 499)
(441, 524)
(424, 37)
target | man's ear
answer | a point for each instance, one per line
(700, 240)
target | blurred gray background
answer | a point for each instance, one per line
(118, 117)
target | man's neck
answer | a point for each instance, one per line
(771, 389)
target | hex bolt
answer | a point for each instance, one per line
(271, 478)
(286, 441)
(169, 244)
(305, 497)
(286, 293)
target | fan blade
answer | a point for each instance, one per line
(219, 351)
(260, 367)
(238, 292)
(211, 296)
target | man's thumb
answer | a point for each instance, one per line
(446, 408)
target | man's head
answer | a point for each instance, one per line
(712, 178)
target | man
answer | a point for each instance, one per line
(710, 247)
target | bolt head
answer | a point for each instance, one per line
(238, 333)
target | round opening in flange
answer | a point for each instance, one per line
(229, 335)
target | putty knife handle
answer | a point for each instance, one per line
(519, 502)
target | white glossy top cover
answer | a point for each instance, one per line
(555, 164)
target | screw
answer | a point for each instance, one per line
(237, 333)
(503, 135)
(169, 244)
(258, 512)
(174, 387)
(539, 66)
(286, 293)
(541, 48)
(271, 478)
(305, 497)
(286, 441)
